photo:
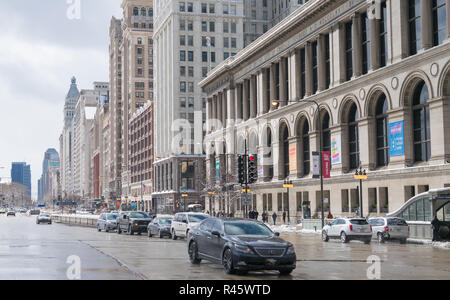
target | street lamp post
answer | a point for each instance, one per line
(361, 175)
(276, 103)
(288, 184)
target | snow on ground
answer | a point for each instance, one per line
(442, 245)
(291, 229)
(94, 217)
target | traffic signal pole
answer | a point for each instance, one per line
(246, 179)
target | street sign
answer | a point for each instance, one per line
(288, 186)
(361, 177)
(246, 199)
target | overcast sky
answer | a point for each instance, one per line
(41, 48)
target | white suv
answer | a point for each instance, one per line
(183, 222)
(347, 229)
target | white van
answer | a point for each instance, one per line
(183, 222)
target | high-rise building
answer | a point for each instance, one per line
(136, 51)
(66, 139)
(21, 173)
(115, 106)
(50, 165)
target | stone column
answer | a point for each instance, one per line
(426, 12)
(357, 45)
(272, 85)
(309, 69)
(260, 91)
(296, 75)
(321, 65)
(447, 9)
(246, 108)
(440, 129)
(208, 114)
(231, 107)
(239, 102)
(224, 108)
(219, 110)
(276, 158)
(253, 97)
(265, 107)
(283, 83)
(374, 44)
(340, 63)
(364, 142)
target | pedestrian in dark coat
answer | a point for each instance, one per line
(264, 215)
(256, 215)
(274, 217)
(284, 217)
(435, 226)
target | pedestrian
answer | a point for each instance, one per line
(435, 226)
(274, 217)
(284, 217)
(264, 216)
(256, 215)
(330, 216)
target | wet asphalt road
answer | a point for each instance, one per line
(30, 251)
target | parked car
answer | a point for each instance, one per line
(11, 213)
(2, 211)
(107, 222)
(133, 222)
(183, 222)
(33, 212)
(347, 229)
(240, 246)
(44, 218)
(388, 228)
(160, 226)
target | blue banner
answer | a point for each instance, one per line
(396, 139)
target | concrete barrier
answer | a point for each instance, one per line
(84, 221)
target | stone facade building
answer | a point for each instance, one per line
(380, 75)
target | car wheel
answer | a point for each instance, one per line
(37, 222)
(118, 230)
(286, 272)
(344, 238)
(380, 237)
(187, 234)
(149, 233)
(403, 241)
(227, 262)
(98, 228)
(174, 236)
(130, 231)
(325, 237)
(193, 253)
(367, 241)
(160, 235)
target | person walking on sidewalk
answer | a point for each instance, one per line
(435, 226)
(284, 217)
(274, 217)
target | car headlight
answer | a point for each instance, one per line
(242, 248)
(290, 250)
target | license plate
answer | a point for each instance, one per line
(271, 262)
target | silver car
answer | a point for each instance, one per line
(388, 228)
(107, 222)
(44, 218)
(347, 229)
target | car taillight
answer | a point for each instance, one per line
(409, 229)
(351, 227)
(386, 228)
(370, 228)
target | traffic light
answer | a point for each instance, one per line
(241, 169)
(252, 169)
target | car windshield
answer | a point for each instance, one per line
(358, 222)
(247, 228)
(112, 217)
(139, 215)
(165, 221)
(397, 222)
(196, 218)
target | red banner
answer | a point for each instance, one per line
(326, 164)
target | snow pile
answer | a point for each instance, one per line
(442, 245)
(291, 229)
(93, 217)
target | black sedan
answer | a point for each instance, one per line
(240, 246)
(160, 227)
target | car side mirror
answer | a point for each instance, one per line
(277, 234)
(216, 233)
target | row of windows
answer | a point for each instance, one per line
(227, 27)
(142, 11)
(226, 9)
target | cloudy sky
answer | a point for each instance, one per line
(41, 48)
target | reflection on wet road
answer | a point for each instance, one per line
(30, 251)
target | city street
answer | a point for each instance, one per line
(30, 251)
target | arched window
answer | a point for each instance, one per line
(143, 12)
(326, 133)
(353, 136)
(382, 124)
(285, 151)
(135, 11)
(305, 144)
(421, 123)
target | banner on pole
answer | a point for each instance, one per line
(326, 164)
(316, 170)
